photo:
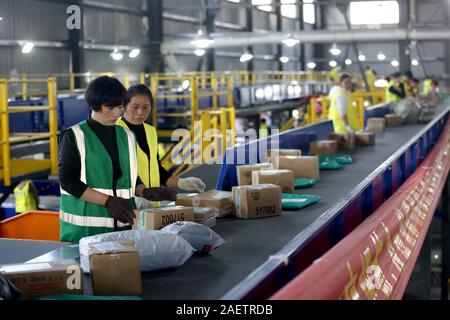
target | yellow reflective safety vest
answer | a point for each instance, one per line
(148, 169)
(352, 116)
(26, 196)
(334, 74)
(427, 86)
(371, 78)
(390, 97)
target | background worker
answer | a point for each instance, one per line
(97, 168)
(371, 77)
(395, 91)
(342, 112)
(335, 72)
(150, 170)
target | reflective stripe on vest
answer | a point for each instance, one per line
(352, 117)
(91, 222)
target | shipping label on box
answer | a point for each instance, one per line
(41, 279)
(365, 138)
(323, 147)
(258, 201)
(306, 167)
(393, 120)
(244, 172)
(159, 217)
(115, 268)
(272, 153)
(282, 178)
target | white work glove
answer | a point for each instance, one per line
(191, 184)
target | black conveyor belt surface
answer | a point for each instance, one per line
(250, 242)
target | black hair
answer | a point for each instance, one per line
(408, 74)
(396, 75)
(106, 90)
(415, 80)
(141, 89)
(344, 76)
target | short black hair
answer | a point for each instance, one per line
(106, 90)
(141, 90)
(344, 76)
(396, 75)
(408, 74)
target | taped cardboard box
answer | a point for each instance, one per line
(115, 268)
(306, 167)
(244, 172)
(323, 147)
(393, 120)
(206, 216)
(345, 141)
(220, 200)
(282, 178)
(258, 201)
(365, 138)
(159, 217)
(272, 153)
(376, 124)
(41, 279)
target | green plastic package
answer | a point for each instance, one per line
(304, 183)
(329, 165)
(290, 201)
(339, 158)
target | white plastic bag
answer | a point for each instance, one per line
(202, 238)
(157, 250)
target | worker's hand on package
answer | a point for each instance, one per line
(120, 209)
(159, 194)
(191, 184)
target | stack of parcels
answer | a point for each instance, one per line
(258, 201)
(244, 172)
(376, 124)
(206, 216)
(393, 120)
(323, 147)
(272, 153)
(345, 141)
(306, 167)
(115, 268)
(159, 217)
(282, 178)
(220, 200)
(42, 279)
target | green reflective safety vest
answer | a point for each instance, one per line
(79, 218)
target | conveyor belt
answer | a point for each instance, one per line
(250, 242)
(18, 251)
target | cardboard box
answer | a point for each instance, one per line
(206, 216)
(244, 173)
(303, 167)
(272, 153)
(220, 200)
(393, 120)
(258, 201)
(159, 217)
(345, 141)
(115, 268)
(323, 147)
(283, 178)
(45, 278)
(376, 124)
(365, 138)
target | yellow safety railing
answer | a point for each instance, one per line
(17, 167)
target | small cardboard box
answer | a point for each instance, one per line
(45, 278)
(303, 167)
(283, 178)
(244, 173)
(323, 147)
(220, 200)
(365, 138)
(159, 217)
(115, 268)
(257, 201)
(376, 124)
(272, 153)
(393, 120)
(345, 141)
(206, 216)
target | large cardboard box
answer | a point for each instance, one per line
(115, 268)
(365, 138)
(159, 217)
(45, 278)
(206, 216)
(376, 124)
(345, 141)
(283, 178)
(220, 200)
(323, 147)
(258, 201)
(244, 172)
(272, 153)
(393, 120)
(303, 167)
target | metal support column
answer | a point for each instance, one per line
(302, 57)
(209, 26)
(279, 29)
(76, 51)
(403, 46)
(155, 36)
(249, 28)
(445, 272)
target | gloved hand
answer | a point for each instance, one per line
(159, 194)
(120, 209)
(191, 184)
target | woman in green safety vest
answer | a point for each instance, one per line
(150, 170)
(98, 168)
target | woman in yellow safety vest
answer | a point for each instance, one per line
(342, 112)
(150, 170)
(395, 91)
